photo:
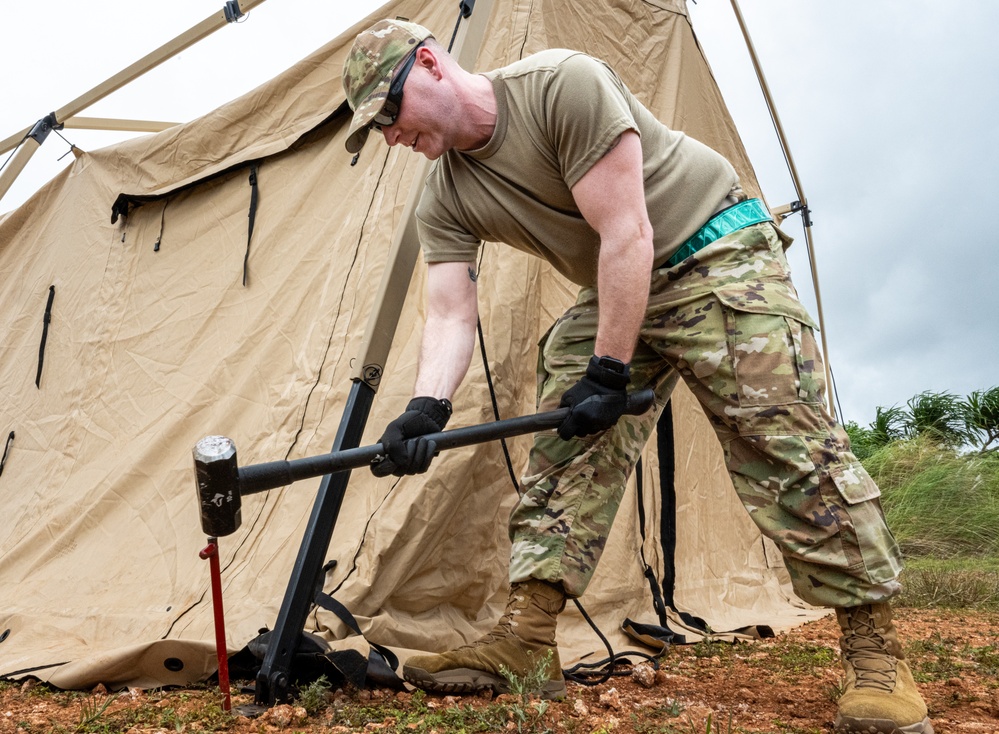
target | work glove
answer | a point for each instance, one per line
(423, 415)
(598, 400)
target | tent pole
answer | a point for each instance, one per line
(273, 679)
(800, 205)
(228, 14)
(108, 123)
(30, 143)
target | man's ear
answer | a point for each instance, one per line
(427, 58)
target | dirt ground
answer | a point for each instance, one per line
(786, 685)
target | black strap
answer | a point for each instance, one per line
(254, 195)
(6, 450)
(657, 598)
(667, 492)
(330, 604)
(47, 319)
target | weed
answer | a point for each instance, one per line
(940, 658)
(835, 691)
(795, 658)
(91, 710)
(950, 586)
(669, 709)
(695, 729)
(708, 648)
(421, 718)
(528, 711)
(314, 696)
(419, 700)
(785, 728)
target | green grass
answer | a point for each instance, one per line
(955, 583)
(421, 719)
(939, 504)
(943, 508)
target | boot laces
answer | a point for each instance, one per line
(504, 627)
(867, 650)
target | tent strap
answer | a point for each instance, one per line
(6, 451)
(46, 320)
(254, 197)
(382, 659)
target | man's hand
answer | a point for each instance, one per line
(423, 415)
(598, 400)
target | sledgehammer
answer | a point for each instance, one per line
(222, 482)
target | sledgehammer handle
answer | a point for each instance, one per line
(261, 477)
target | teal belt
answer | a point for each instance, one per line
(725, 222)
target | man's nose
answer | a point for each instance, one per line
(391, 135)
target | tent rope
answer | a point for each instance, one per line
(13, 152)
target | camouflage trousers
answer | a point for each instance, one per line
(726, 320)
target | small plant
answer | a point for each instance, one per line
(314, 696)
(529, 710)
(694, 729)
(92, 708)
(835, 691)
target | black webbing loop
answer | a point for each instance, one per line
(657, 598)
(252, 217)
(47, 319)
(6, 450)
(330, 604)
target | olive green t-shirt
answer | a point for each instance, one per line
(559, 112)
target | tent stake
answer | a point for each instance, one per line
(211, 554)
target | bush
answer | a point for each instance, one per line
(938, 503)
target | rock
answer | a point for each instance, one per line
(644, 675)
(611, 699)
(285, 715)
(579, 708)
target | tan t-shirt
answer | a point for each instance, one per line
(559, 112)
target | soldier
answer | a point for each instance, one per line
(681, 276)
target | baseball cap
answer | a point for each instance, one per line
(371, 65)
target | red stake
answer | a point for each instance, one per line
(211, 553)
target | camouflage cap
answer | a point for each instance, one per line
(370, 67)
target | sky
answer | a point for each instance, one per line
(890, 109)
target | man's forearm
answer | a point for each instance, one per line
(623, 288)
(445, 354)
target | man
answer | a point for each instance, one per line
(680, 276)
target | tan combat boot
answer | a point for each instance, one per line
(880, 696)
(519, 643)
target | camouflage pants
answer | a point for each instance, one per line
(726, 320)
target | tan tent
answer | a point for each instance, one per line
(153, 341)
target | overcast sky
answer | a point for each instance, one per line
(890, 108)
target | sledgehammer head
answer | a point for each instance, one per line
(217, 475)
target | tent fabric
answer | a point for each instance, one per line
(154, 342)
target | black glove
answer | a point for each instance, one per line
(422, 416)
(597, 400)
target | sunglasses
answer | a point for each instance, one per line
(393, 100)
